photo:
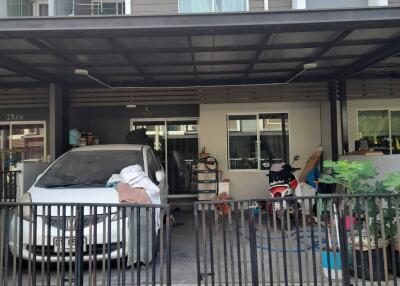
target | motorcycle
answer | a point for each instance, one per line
(283, 183)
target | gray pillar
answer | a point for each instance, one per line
(58, 121)
(3, 8)
(333, 91)
(344, 117)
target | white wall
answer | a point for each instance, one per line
(354, 105)
(309, 127)
(304, 138)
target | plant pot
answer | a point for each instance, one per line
(377, 272)
(396, 248)
(377, 258)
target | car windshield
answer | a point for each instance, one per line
(88, 168)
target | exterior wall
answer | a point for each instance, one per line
(394, 2)
(309, 126)
(304, 138)
(154, 7)
(256, 5)
(354, 105)
(320, 4)
(279, 5)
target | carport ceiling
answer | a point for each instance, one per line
(181, 50)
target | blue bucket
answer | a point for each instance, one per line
(335, 267)
(332, 258)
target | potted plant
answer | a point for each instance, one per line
(353, 177)
(392, 185)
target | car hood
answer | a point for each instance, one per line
(74, 196)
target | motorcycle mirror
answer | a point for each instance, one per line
(265, 165)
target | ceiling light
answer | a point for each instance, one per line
(81, 72)
(131, 106)
(310, 66)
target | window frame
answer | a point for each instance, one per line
(258, 131)
(12, 123)
(389, 110)
(214, 11)
(36, 8)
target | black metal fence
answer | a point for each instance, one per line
(8, 186)
(84, 244)
(324, 240)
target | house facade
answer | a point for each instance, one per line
(248, 80)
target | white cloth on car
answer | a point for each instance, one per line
(136, 178)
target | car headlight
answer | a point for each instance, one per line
(26, 210)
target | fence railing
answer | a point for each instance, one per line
(321, 240)
(84, 244)
(8, 186)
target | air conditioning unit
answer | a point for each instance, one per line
(32, 131)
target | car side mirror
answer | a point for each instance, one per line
(160, 176)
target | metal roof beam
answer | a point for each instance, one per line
(194, 49)
(194, 63)
(27, 70)
(123, 51)
(327, 47)
(199, 63)
(67, 59)
(388, 50)
(257, 55)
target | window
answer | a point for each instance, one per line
(208, 6)
(109, 8)
(25, 140)
(274, 137)
(19, 8)
(40, 8)
(254, 138)
(43, 10)
(381, 129)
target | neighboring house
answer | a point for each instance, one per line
(157, 7)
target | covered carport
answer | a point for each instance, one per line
(180, 61)
(199, 59)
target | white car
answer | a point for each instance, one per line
(80, 176)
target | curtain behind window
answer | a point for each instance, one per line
(230, 5)
(195, 6)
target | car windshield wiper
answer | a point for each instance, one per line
(70, 185)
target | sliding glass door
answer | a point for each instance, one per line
(176, 142)
(155, 129)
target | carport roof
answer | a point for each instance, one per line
(201, 49)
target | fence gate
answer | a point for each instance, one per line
(8, 186)
(323, 240)
(84, 244)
